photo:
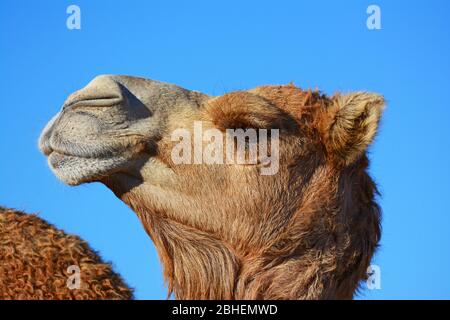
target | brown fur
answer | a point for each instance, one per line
(308, 233)
(34, 257)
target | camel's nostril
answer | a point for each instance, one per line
(95, 101)
(103, 91)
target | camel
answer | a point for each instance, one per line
(226, 231)
(38, 261)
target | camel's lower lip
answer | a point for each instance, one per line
(58, 159)
(74, 170)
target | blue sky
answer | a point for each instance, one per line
(218, 47)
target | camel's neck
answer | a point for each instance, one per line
(196, 266)
(313, 259)
(323, 254)
(199, 266)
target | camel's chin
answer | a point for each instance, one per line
(74, 170)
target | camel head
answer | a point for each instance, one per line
(253, 194)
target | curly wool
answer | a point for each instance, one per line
(34, 261)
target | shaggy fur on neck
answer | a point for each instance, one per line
(323, 253)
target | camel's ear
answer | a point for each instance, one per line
(350, 124)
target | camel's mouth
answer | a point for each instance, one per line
(91, 157)
(57, 159)
(91, 160)
(93, 150)
(75, 170)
